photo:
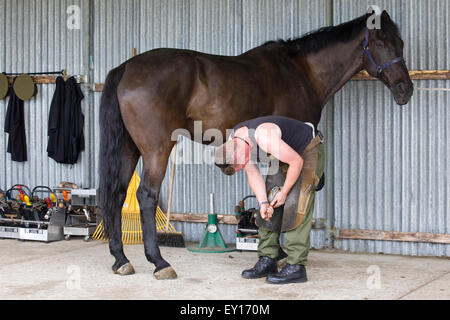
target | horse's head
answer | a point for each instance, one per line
(383, 58)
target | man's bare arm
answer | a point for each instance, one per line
(269, 139)
(258, 186)
(256, 182)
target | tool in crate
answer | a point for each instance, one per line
(79, 205)
(26, 206)
(247, 231)
(18, 208)
(42, 207)
(24, 215)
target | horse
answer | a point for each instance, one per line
(149, 96)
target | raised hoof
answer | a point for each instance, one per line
(166, 273)
(125, 270)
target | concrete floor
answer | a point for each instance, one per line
(76, 269)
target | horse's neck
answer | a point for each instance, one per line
(334, 66)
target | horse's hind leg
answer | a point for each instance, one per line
(130, 157)
(153, 174)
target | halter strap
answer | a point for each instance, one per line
(379, 68)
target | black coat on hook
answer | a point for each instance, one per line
(66, 122)
(15, 126)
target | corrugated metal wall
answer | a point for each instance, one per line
(397, 182)
(211, 26)
(391, 163)
(34, 38)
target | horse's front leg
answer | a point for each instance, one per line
(148, 194)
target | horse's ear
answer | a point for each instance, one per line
(385, 14)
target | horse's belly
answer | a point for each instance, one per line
(209, 129)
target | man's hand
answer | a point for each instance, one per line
(279, 199)
(266, 211)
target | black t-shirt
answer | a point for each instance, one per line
(294, 133)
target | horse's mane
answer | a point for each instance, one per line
(314, 41)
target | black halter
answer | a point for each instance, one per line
(379, 68)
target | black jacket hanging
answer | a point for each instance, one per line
(55, 122)
(15, 126)
(74, 95)
(66, 122)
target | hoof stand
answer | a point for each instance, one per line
(125, 270)
(166, 273)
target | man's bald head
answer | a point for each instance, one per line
(232, 156)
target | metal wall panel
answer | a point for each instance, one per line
(261, 21)
(392, 165)
(398, 180)
(34, 38)
(216, 27)
(115, 33)
(391, 162)
(115, 25)
(266, 20)
(423, 25)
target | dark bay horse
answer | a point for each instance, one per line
(149, 96)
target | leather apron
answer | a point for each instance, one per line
(292, 213)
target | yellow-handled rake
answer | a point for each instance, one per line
(131, 222)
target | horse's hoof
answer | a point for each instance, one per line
(125, 270)
(166, 273)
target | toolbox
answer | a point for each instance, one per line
(81, 216)
(29, 215)
(247, 231)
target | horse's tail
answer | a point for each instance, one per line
(112, 133)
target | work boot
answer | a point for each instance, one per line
(262, 268)
(289, 274)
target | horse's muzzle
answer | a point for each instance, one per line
(403, 92)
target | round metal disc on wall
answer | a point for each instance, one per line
(24, 87)
(4, 85)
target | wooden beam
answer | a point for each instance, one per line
(98, 87)
(224, 218)
(363, 75)
(40, 79)
(391, 236)
(202, 218)
(414, 74)
(430, 74)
